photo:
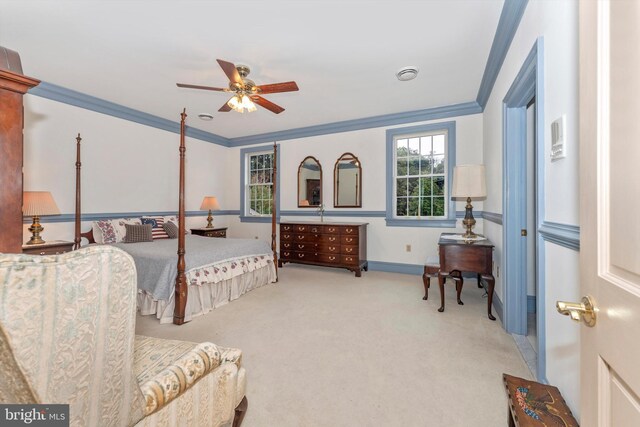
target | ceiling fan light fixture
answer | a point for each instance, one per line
(407, 73)
(248, 104)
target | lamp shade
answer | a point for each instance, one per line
(39, 203)
(469, 181)
(210, 203)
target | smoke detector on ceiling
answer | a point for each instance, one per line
(407, 73)
(205, 116)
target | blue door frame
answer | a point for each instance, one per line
(529, 83)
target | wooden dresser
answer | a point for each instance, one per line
(330, 244)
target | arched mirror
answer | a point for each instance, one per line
(347, 182)
(309, 183)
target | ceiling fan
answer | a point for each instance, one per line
(245, 91)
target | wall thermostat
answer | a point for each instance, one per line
(559, 138)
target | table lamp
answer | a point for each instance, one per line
(37, 204)
(304, 202)
(210, 203)
(469, 182)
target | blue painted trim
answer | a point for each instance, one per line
(396, 267)
(88, 102)
(243, 166)
(492, 217)
(498, 307)
(564, 235)
(392, 221)
(433, 223)
(448, 111)
(510, 18)
(353, 214)
(528, 83)
(116, 215)
(531, 303)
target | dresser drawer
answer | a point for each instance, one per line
(349, 230)
(329, 258)
(286, 245)
(331, 229)
(332, 239)
(303, 228)
(304, 256)
(349, 240)
(349, 250)
(286, 236)
(305, 246)
(286, 254)
(286, 227)
(306, 237)
(329, 248)
(350, 259)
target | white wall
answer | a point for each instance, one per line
(126, 167)
(556, 22)
(384, 243)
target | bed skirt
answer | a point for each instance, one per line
(203, 298)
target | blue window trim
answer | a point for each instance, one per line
(243, 163)
(448, 222)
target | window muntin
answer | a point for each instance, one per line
(259, 184)
(420, 171)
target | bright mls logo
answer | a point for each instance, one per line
(34, 415)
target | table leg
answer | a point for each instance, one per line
(456, 275)
(441, 279)
(479, 280)
(491, 282)
(427, 282)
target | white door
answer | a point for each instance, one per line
(610, 210)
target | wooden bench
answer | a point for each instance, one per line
(536, 404)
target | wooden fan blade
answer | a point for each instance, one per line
(278, 87)
(230, 70)
(274, 108)
(225, 108)
(219, 89)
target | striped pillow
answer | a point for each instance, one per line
(172, 229)
(137, 233)
(157, 225)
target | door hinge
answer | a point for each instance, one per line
(523, 232)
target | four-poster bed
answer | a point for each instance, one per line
(214, 272)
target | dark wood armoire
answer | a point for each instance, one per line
(13, 85)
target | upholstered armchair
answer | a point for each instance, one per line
(67, 335)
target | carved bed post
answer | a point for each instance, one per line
(181, 279)
(273, 207)
(77, 239)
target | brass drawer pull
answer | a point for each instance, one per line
(332, 258)
(332, 239)
(349, 239)
(300, 255)
(349, 230)
(332, 248)
(349, 250)
(300, 237)
(300, 246)
(332, 229)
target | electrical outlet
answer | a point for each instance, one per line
(498, 271)
(408, 248)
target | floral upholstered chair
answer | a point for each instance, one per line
(67, 335)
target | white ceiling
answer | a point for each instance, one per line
(343, 54)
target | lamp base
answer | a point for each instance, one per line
(469, 221)
(209, 220)
(35, 230)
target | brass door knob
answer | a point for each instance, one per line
(579, 311)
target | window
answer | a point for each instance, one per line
(260, 184)
(420, 163)
(256, 190)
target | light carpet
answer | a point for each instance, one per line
(324, 348)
